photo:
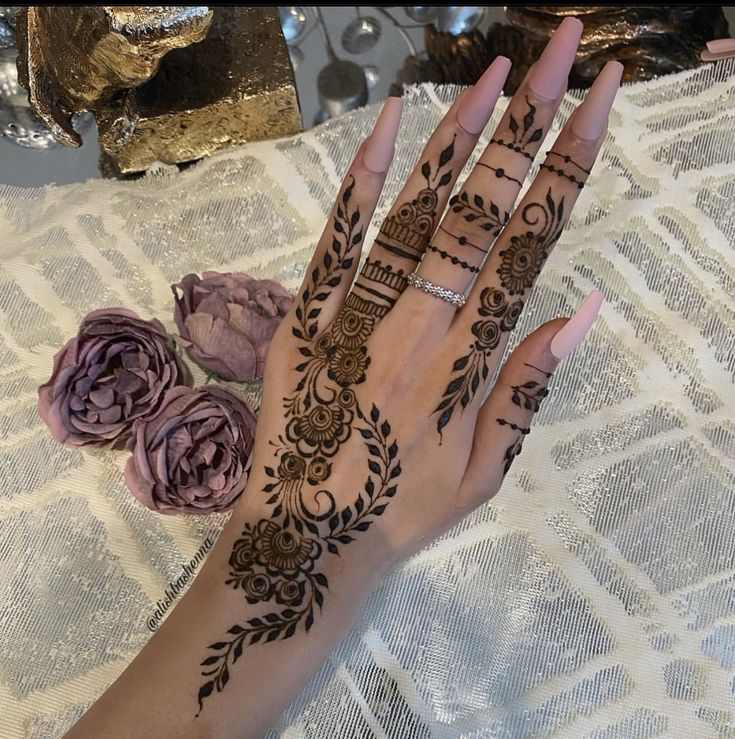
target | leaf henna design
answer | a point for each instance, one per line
(524, 134)
(497, 317)
(277, 561)
(473, 210)
(521, 263)
(407, 232)
(337, 259)
(527, 396)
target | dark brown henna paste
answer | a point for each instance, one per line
(277, 560)
(521, 262)
(408, 231)
(527, 396)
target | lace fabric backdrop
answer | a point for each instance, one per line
(593, 597)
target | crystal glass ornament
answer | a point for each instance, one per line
(421, 13)
(293, 22)
(457, 19)
(361, 34)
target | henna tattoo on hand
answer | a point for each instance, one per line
(523, 136)
(521, 262)
(454, 260)
(473, 210)
(497, 316)
(524, 257)
(278, 559)
(407, 233)
(501, 173)
(578, 180)
(527, 396)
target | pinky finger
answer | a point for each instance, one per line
(332, 268)
(505, 418)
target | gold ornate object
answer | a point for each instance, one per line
(77, 58)
(203, 80)
(650, 40)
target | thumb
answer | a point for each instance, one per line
(504, 420)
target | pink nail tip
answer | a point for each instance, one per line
(478, 104)
(549, 76)
(571, 334)
(590, 119)
(709, 56)
(380, 145)
(721, 45)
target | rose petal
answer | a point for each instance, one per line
(103, 397)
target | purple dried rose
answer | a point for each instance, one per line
(227, 321)
(193, 456)
(112, 373)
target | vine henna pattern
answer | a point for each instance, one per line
(527, 396)
(521, 262)
(276, 560)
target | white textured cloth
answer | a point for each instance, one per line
(595, 595)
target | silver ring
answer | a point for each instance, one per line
(449, 296)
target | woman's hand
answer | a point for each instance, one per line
(374, 433)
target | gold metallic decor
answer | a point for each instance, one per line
(168, 84)
(650, 40)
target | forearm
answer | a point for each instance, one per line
(157, 695)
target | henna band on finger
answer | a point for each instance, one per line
(568, 160)
(561, 173)
(500, 172)
(454, 260)
(575, 180)
(463, 240)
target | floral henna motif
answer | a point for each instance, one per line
(407, 232)
(521, 262)
(527, 396)
(497, 316)
(277, 560)
(523, 258)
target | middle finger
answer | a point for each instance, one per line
(480, 210)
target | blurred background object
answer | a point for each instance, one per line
(341, 57)
(166, 84)
(650, 40)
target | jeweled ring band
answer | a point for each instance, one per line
(437, 291)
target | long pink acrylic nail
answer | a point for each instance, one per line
(380, 145)
(570, 336)
(550, 73)
(721, 45)
(709, 56)
(591, 116)
(477, 106)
